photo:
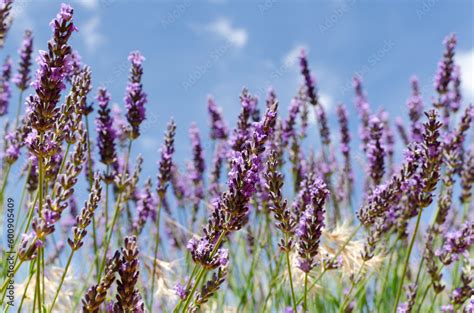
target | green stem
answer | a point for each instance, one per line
(273, 282)
(407, 260)
(62, 280)
(32, 266)
(190, 296)
(106, 213)
(433, 303)
(387, 273)
(23, 195)
(255, 257)
(116, 213)
(362, 286)
(43, 294)
(40, 212)
(20, 102)
(188, 285)
(333, 259)
(425, 293)
(155, 253)
(18, 236)
(38, 282)
(4, 183)
(109, 235)
(288, 264)
(91, 181)
(81, 291)
(5, 283)
(305, 302)
(347, 297)
(202, 272)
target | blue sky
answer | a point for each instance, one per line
(196, 48)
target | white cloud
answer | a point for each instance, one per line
(91, 35)
(21, 15)
(291, 58)
(465, 60)
(328, 104)
(148, 143)
(89, 4)
(223, 29)
(327, 101)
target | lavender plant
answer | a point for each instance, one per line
(262, 219)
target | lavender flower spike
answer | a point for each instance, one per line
(444, 74)
(363, 109)
(5, 21)
(85, 218)
(375, 151)
(218, 125)
(415, 107)
(289, 123)
(310, 226)
(230, 211)
(54, 65)
(135, 97)
(313, 98)
(5, 92)
(145, 207)
(128, 296)
(348, 178)
(308, 79)
(456, 243)
(96, 294)
(22, 78)
(165, 164)
(455, 95)
(198, 154)
(105, 131)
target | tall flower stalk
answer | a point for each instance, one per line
(22, 78)
(428, 179)
(164, 177)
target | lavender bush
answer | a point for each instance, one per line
(267, 225)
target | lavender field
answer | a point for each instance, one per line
(285, 206)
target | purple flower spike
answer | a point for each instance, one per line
(22, 78)
(136, 58)
(363, 109)
(166, 163)
(311, 224)
(135, 97)
(5, 92)
(5, 21)
(180, 291)
(444, 74)
(455, 94)
(312, 96)
(347, 179)
(199, 165)
(456, 243)
(241, 133)
(375, 151)
(289, 124)
(105, 131)
(218, 125)
(415, 107)
(309, 80)
(128, 296)
(53, 68)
